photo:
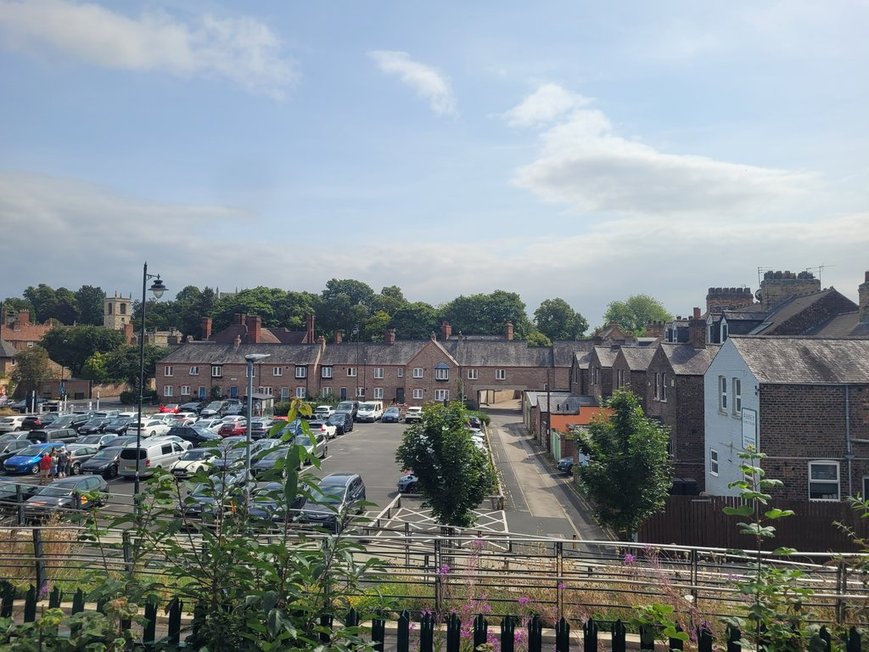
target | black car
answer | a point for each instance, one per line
(32, 422)
(192, 406)
(268, 505)
(12, 494)
(11, 447)
(93, 426)
(334, 500)
(118, 425)
(266, 463)
(104, 463)
(80, 493)
(26, 404)
(48, 434)
(202, 501)
(343, 422)
(194, 434)
(101, 441)
(565, 465)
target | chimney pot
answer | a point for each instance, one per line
(339, 336)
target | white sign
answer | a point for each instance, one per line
(749, 429)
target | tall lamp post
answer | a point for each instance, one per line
(157, 288)
(250, 358)
(357, 333)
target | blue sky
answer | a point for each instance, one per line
(565, 149)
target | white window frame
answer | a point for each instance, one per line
(713, 462)
(277, 372)
(500, 374)
(378, 372)
(442, 373)
(418, 393)
(185, 390)
(285, 393)
(168, 371)
(268, 391)
(360, 392)
(400, 372)
(657, 385)
(168, 390)
(823, 481)
(736, 386)
(351, 372)
(300, 391)
(378, 392)
(326, 371)
(473, 374)
(325, 391)
(193, 371)
(722, 394)
(301, 371)
(418, 372)
(442, 395)
(216, 371)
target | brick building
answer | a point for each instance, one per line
(20, 332)
(629, 370)
(803, 402)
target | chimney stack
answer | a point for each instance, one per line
(697, 330)
(390, 336)
(446, 330)
(206, 328)
(863, 292)
(23, 317)
(508, 331)
(254, 329)
(309, 329)
(339, 336)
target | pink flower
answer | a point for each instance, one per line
(443, 570)
(629, 559)
(524, 600)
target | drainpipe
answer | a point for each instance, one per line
(849, 453)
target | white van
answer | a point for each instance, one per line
(370, 411)
(155, 452)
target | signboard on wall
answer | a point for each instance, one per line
(749, 429)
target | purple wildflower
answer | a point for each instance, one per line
(561, 586)
(524, 600)
(45, 589)
(629, 559)
(479, 543)
(443, 570)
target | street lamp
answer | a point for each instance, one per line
(157, 288)
(250, 358)
(356, 333)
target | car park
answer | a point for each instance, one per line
(193, 434)
(27, 460)
(323, 427)
(12, 447)
(210, 423)
(66, 494)
(230, 428)
(119, 425)
(192, 406)
(267, 462)
(213, 409)
(94, 425)
(343, 422)
(68, 435)
(336, 497)
(260, 426)
(391, 415)
(202, 503)
(10, 436)
(31, 422)
(414, 413)
(268, 505)
(105, 462)
(100, 441)
(192, 461)
(11, 423)
(123, 440)
(155, 452)
(316, 448)
(78, 455)
(150, 427)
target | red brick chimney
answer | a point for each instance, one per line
(655, 329)
(697, 330)
(309, 329)
(446, 330)
(23, 317)
(508, 331)
(129, 338)
(254, 329)
(206, 328)
(390, 336)
(339, 336)
(863, 292)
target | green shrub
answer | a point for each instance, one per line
(132, 397)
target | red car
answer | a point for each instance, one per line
(233, 428)
(170, 408)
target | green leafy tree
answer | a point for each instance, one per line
(32, 369)
(558, 321)
(292, 312)
(94, 368)
(13, 305)
(415, 321)
(453, 475)
(66, 308)
(536, 338)
(72, 346)
(345, 303)
(44, 301)
(390, 300)
(487, 314)
(89, 300)
(628, 476)
(123, 364)
(635, 312)
(374, 328)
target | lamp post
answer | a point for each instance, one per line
(157, 288)
(250, 358)
(356, 389)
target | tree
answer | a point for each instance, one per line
(415, 321)
(90, 305)
(123, 364)
(536, 338)
(66, 308)
(72, 346)
(487, 314)
(12, 306)
(628, 475)
(44, 301)
(453, 475)
(345, 303)
(31, 370)
(635, 312)
(558, 321)
(390, 300)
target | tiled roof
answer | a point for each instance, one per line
(561, 422)
(370, 353)
(847, 325)
(494, 354)
(581, 359)
(7, 350)
(805, 360)
(214, 353)
(565, 350)
(606, 355)
(794, 306)
(688, 361)
(637, 357)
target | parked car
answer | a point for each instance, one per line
(78, 455)
(370, 411)
(66, 494)
(12, 436)
(230, 428)
(27, 459)
(194, 434)
(210, 423)
(408, 483)
(565, 465)
(13, 494)
(193, 461)
(268, 505)
(68, 435)
(119, 425)
(324, 428)
(391, 415)
(316, 448)
(155, 452)
(123, 440)
(414, 413)
(100, 441)
(152, 427)
(105, 462)
(95, 425)
(348, 406)
(192, 406)
(169, 408)
(259, 427)
(343, 422)
(335, 499)
(203, 501)
(11, 423)
(27, 404)
(31, 422)
(213, 409)
(323, 412)
(267, 462)
(12, 447)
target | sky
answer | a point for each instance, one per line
(576, 149)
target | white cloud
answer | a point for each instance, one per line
(548, 102)
(583, 162)
(241, 50)
(428, 83)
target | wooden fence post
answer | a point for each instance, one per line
(535, 635)
(7, 598)
(54, 598)
(30, 605)
(39, 557)
(508, 634)
(378, 633)
(619, 636)
(174, 609)
(426, 632)
(149, 635)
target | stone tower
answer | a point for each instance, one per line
(117, 311)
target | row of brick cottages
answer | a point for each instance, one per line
(802, 401)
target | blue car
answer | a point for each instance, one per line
(27, 460)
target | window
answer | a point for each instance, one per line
(473, 374)
(300, 392)
(167, 370)
(201, 392)
(326, 372)
(185, 390)
(442, 372)
(417, 372)
(360, 392)
(168, 390)
(378, 372)
(166, 449)
(823, 480)
(250, 372)
(620, 378)
(216, 371)
(723, 332)
(351, 372)
(713, 461)
(737, 396)
(123, 307)
(401, 372)
(664, 387)
(285, 393)
(194, 371)
(657, 386)
(417, 393)
(442, 394)
(378, 392)
(326, 391)
(277, 371)
(722, 394)
(500, 374)
(301, 371)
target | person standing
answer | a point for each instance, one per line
(62, 462)
(53, 463)
(44, 467)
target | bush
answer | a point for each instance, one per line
(132, 397)
(482, 416)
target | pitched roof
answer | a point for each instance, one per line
(688, 361)
(372, 353)
(846, 325)
(7, 350)
(606, 355)
(804, 360)
(208, 353)
(564, 350)
(637, 357)
(581, 359)
(561, 422)
(789, 309)
(505, 353)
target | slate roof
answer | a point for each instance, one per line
(268, 335)
(208, 353)
(563, 402)
(846, 325)
(606, 355)
(688, 361)
(565, 350)
(372, 353)
(7, 350)
(805, 360)
(581, 359)
(793, 307)
(498, 354)
(638, 357)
